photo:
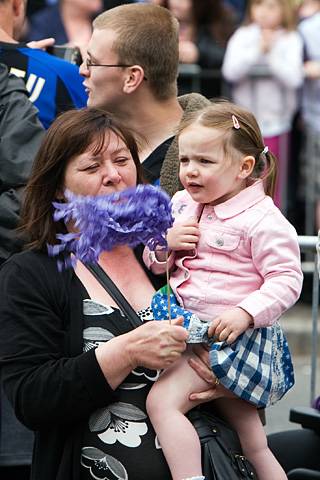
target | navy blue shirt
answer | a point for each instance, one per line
(54, 85)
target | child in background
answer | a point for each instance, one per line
(310, 113)
(236, 265)
(263, 62)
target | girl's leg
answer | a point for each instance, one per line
(244, 418)
(167, 403)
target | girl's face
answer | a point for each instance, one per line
(111, 170)
(268, 14)
(205, 171)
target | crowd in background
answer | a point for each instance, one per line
(263, 55)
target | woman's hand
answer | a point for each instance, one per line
(157, 345)
(202, 367)
(184, 236)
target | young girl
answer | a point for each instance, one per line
(237, 265)
(264, 63)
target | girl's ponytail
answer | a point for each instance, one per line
(270, 176)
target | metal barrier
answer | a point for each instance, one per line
(308, 245)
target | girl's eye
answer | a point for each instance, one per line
(205, 161)
(183, 160)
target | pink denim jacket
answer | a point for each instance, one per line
(247, 256)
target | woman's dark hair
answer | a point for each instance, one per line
(71, 134)
(246, 139)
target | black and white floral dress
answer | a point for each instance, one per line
(119, 442)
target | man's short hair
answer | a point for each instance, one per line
(147, 35)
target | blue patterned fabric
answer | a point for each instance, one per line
(257, 367)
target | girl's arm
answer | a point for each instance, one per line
(285, 60)
(243, 52)
(276, 256)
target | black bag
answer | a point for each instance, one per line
(222, 458)
(221, 450)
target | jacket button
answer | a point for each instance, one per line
(219, 242)
(209, 217)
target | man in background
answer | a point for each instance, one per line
(54, 85)
(131, 69)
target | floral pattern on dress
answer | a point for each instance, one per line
(120, 422)
(101, 465)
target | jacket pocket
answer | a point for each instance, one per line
(223, 242)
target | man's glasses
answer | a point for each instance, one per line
(89, 64)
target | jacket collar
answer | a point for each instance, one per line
(242, 201)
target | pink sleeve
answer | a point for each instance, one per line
(276, 256)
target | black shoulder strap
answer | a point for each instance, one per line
(115, 293)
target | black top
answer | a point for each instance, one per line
(119, 437)
(53, 385)
(152, 164)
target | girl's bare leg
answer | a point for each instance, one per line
(244, 418)
(167, 403)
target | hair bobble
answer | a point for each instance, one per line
(236, 124)
(265, 150)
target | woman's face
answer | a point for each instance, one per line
(268, 14)
(109, 171)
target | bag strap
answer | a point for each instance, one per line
(115, 293)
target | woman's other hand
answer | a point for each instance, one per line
(200, 363)
(157, 345)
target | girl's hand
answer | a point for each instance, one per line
(230, 324)
(156, 345)
(184, 236)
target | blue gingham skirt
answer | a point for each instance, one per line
(257, 367)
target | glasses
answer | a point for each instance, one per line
(89, 64)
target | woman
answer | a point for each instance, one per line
(66, 351)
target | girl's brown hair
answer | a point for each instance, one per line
(71, 134)
(247, 139)
(289, 13)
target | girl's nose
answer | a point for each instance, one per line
(192, 170)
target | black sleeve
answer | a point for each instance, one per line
(20, 136)
(44, 385)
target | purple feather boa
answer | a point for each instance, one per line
(131, 217)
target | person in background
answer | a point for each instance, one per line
(307, 8)
(263, 62)
(68, 21)
(310, 114)
(205, 26)
(227, 234)
(131, 69)
(72, 367)
(54, 85)
(21, 133)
